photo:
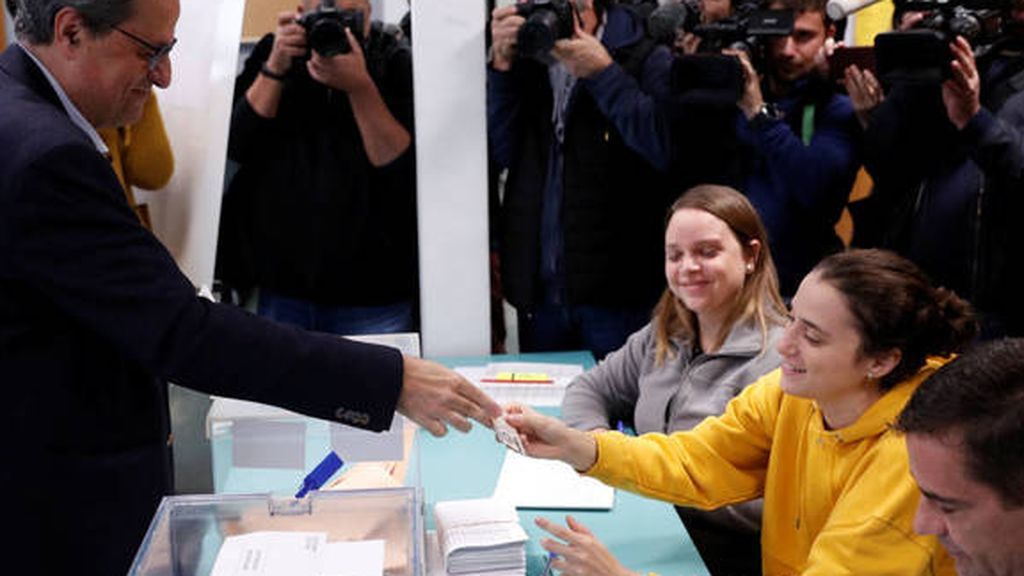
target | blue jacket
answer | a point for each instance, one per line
(799, 188)
(613, 192)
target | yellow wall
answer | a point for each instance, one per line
(261, 17)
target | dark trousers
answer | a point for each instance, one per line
(725, 551)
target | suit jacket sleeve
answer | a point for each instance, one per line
(70, 236)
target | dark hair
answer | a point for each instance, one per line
(12, 7)
(896, 307)
(34, 20)
(759, 298)
(803, 6)
(980, 395)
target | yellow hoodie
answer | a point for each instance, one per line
(835, 501)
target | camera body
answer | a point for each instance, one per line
(745, 30)
(546, 22)
(325, 28)
(922, 55)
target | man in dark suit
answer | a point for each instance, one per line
(95, 316)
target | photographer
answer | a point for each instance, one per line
(579, 131)
(803, 142)
(321, 215)
(948, 165)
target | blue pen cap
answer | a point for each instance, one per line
(323, 471)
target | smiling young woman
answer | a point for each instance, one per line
(713, 332)
(814, 438)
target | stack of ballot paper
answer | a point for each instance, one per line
(480, 537)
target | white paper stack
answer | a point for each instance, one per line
(480, 537)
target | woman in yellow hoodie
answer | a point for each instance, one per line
(813, 438)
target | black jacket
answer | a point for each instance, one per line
(951, 201)
(307, 216)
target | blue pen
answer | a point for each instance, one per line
(620, 427)
(547, 564)
(323, 471)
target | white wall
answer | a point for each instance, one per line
(197, 113)
(451, 148)
(390, 11)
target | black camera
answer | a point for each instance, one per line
(710, 78)
(325, 28)
(546, 22)
(922, 55)
(745, 30)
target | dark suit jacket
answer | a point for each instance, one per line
(95, 318)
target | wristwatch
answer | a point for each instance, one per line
(765, 113)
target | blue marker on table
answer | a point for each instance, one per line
(547, 564)
(323, 471)
(620, 427)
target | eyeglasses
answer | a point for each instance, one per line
(156, 51)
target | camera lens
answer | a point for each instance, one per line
(327, 38)
(537, 35)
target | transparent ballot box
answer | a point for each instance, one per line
(258, 448)
(187, 532)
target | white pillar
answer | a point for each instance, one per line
(8, 28)
(197, 114)
(390, 11)
(451, 148)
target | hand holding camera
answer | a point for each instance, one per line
(345, 72)
(505, 24)
(752, 100)
(289, 42)
(962, 92)
(583, 55)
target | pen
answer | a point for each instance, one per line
(323, 471)
(620, 427)
(547, 564)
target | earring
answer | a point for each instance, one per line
(750, 267)
(871, 375)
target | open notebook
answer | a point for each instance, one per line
(480, 537)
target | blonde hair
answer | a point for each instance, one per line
(759, 299)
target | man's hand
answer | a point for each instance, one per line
(289, 42)
(435, 397)
(752, 100)
(582, 553)
(505, 24)
(583, 55)
(550, 438)
(962, 93)
(865, 92)
(821, 57)
(345, 72)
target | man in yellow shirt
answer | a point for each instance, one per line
(965, 436)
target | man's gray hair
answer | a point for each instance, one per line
(34, 20)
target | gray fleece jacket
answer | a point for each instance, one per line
(687, 388)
